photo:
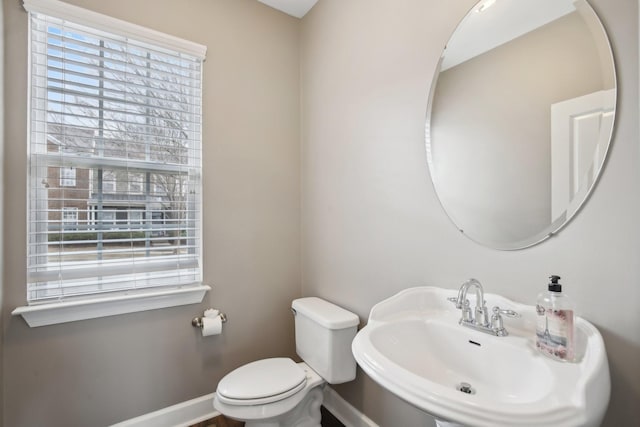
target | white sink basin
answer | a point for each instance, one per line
(414, 347)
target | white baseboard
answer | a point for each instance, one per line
(181, 415)
(344, 411)
(201, 408)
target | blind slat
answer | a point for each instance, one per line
(110, 269)
(95, 162)
(57, 83)
(151, 79)
(123, 62)
(114, 47)
(130, 103)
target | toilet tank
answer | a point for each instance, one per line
(324, 333)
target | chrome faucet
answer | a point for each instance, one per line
(480, 319)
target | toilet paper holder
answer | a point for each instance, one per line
(196, 322)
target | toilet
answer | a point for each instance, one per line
(279, 392)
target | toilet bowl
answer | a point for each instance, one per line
(283, 393)
(279, 392)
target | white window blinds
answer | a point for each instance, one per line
(125, 116)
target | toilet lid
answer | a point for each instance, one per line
(263, 381)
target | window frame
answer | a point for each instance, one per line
(87, 307)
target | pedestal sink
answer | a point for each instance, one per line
(414, 347)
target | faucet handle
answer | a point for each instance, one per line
(460, 305)
(509, 313)
(496, 320)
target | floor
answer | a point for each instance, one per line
(328, 420)
(220, 421)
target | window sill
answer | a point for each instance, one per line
(70, 311)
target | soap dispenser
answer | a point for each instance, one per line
(555, 323)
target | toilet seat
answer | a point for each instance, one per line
(241, 410)
(261, 382)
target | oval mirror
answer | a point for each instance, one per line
(520, 118)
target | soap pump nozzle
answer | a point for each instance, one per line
(554, 286)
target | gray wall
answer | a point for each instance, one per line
(372, 224)
(98, 372)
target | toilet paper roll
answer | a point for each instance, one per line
(211, 326)
(211, 312)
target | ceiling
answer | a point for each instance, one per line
(297, 8)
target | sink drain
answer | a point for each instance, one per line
(465, 388)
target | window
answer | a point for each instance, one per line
(108, 219)
(69, 218)
(122, 106)
(135, 216)
(67, 177)
(108, 180)
(136, 183)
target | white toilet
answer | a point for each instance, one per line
(279, 392)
